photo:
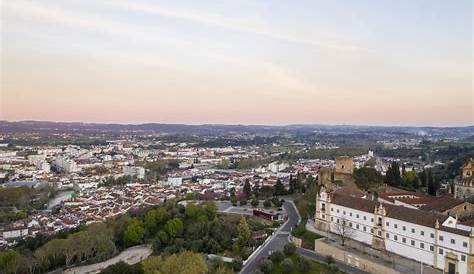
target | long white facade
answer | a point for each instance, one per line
(433, 239)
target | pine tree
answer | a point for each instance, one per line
(244, 232)
(279, 189)
(392, 176)
(431, 183)
(247, 189)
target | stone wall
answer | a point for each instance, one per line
(344, 164)
(351, 259)
(297, 241)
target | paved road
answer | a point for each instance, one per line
(278, 240)
(131, 256)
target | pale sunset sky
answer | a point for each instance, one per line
(373, 62)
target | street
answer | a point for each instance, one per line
(280, 238)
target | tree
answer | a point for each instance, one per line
(244, 232)
(452, 187)
(276, 202)
(287, 265)
(237, 264)
(423, 178)
(266, 266)
(195, 213)
(247, 191)
(182, 263)
(291, 188)
(254, 202)
(233, 197)
(154, 218)
(367, 178)
(210, 208)
(303, 264)
(256, 188)
(410, 180)
(343, 230)
(279, 189)
(267, 203)
(277, 256)
(289, 249)
(152, 264)
(174, 227)
(392, 176)
(11, 261)
(134, 233)
(433, 185)
(163, 236)
(122, 268)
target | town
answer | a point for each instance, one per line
(225, 137)
(50, 189)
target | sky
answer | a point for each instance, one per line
(365, 62)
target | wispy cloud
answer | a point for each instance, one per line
(233, 24)
(54, 14)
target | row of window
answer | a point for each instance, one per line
(404, 228)
(395, 238)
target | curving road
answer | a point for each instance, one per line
(280, 238)
(277, 241)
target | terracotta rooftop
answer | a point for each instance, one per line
(401, 213)
(411, 198)
(442, 204)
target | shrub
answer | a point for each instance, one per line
(266, 266)
(333, 269)
(289, 249)
(277, 256)
(276, 202)
(299, 229)
(303, 264)
(329, 260)
(237, 264)
(254, 202)
(287, 265)
(243, 202)
(267, 203)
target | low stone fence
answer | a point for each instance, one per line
(324, 248)
(296, 241)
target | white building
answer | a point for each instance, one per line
(39, 161)
(277, 167)
(174, 181)
(65, 164)
(14, 233)
(430, 238)
(134, 171)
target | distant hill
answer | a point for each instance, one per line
(47, 126)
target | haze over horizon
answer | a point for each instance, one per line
(404, 63)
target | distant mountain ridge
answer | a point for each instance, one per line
(40, 126)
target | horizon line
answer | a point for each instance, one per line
(235, 124)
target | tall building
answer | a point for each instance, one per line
(66, 165)
(134, 171)
(344, 165)
(464, 186)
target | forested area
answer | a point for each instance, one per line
(170, 228)
(15, 202)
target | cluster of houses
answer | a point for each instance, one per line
(97, 205)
